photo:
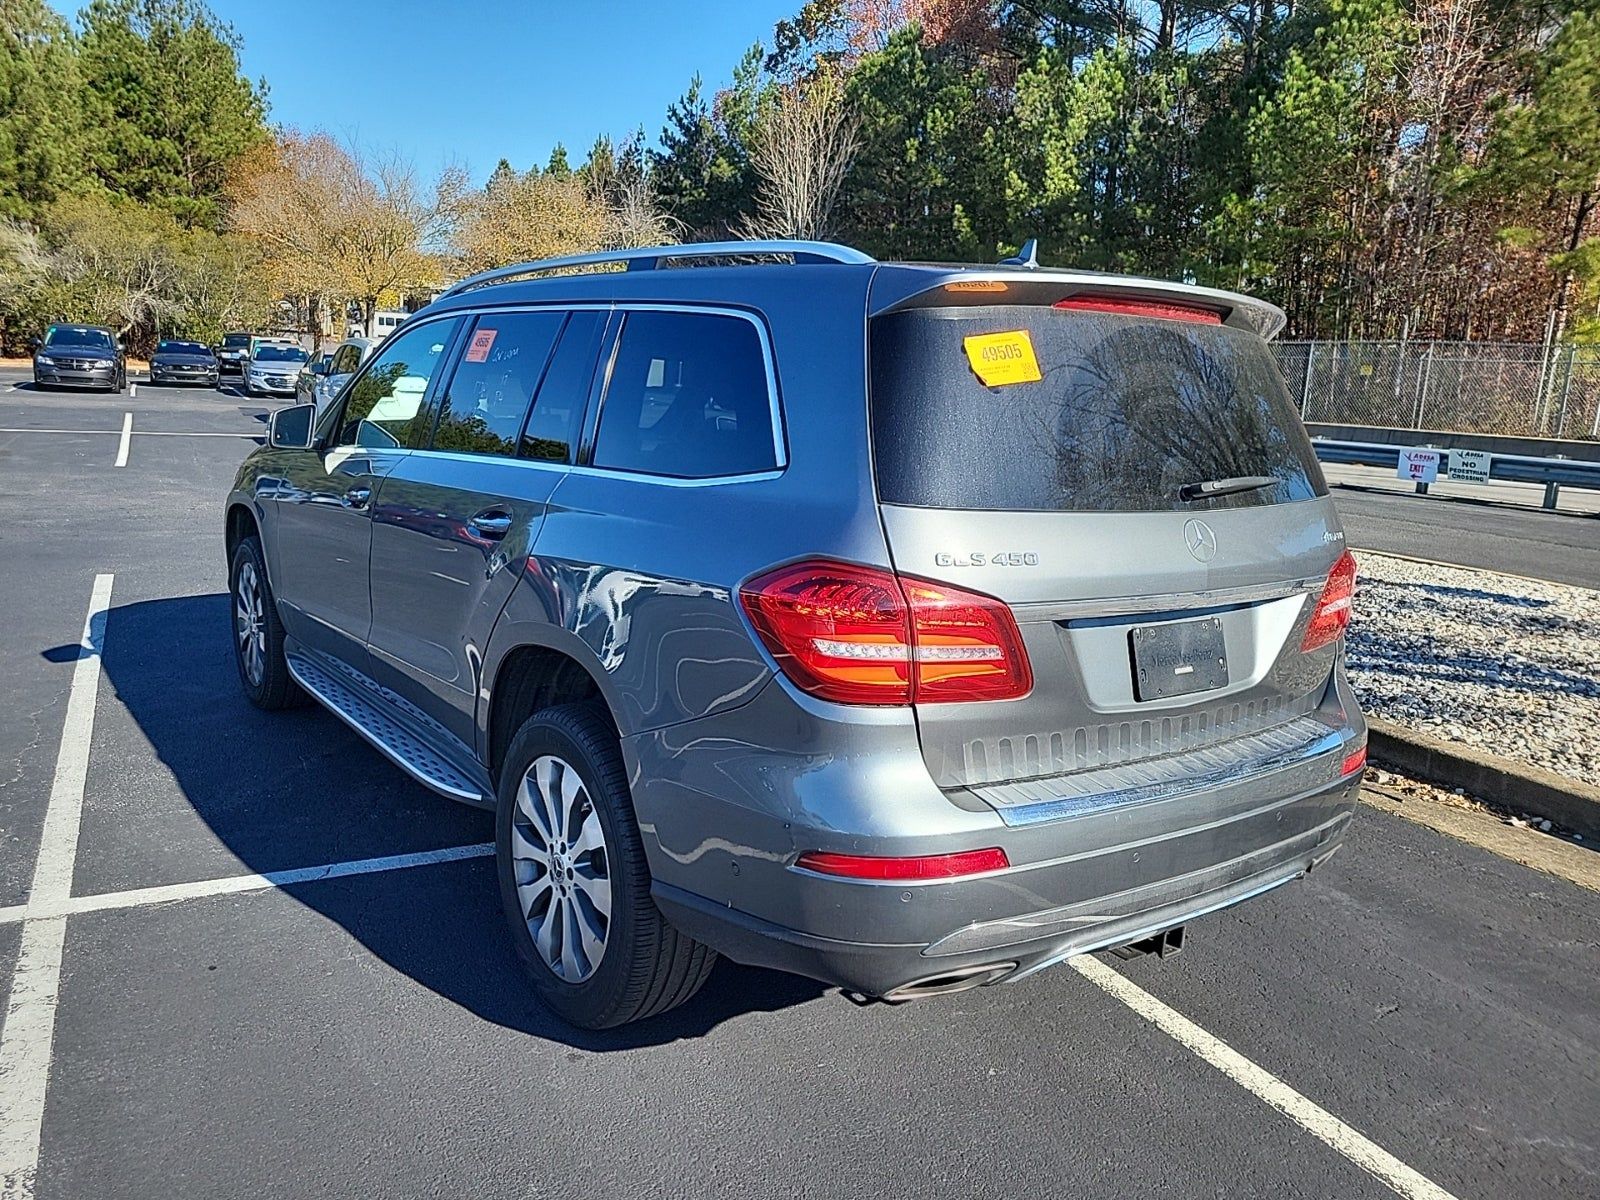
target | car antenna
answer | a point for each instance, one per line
(1027, 257)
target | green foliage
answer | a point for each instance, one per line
(40, 117)
(130, 267)
(701, 171)
(926, 182)
(166, 109)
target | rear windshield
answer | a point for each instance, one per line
(236, 339)
(1126, 411)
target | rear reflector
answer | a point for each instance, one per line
(930, 866)
(1354, 762)
(1141, 308)
(1334, 606)
(863, 635)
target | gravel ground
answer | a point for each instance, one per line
(1505, 664)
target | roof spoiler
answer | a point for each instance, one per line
(894, 291)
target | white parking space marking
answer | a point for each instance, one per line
(29, 1033)
(127, 436)
(133, 389)
(1317, 1121)
(185, 433)
(136, 432)
(232, 884)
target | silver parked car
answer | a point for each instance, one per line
(911, 627)
(318, 387)
(272, 368)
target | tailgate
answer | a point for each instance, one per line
(1154, 623)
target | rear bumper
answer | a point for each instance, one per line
(726, 815)
(1008, 949)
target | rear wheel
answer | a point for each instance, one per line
(257, 632)
(574, 881)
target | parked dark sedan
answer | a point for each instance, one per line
(79, 356)
(183, 362)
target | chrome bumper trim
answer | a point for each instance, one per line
(1029, 802)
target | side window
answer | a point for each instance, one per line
(551, 434)
(344, 361)
(500, 369)
(383, 407)
(687, 398)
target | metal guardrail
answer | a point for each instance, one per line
(1553, 473)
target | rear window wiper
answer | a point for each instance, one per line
(1207, 488)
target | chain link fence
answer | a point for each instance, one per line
(1511, 388)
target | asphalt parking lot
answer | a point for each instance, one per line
(245, 955)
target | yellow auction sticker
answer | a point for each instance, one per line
(1001, 358)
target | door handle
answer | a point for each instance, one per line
(491, 524)
(357, 497)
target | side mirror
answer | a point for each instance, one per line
(290, 428)
(35, 343)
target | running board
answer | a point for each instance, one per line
(391, 737)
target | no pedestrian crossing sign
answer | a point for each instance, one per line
(1469, 466)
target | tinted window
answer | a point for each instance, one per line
(688, 397)
(552, 431)
(234, 340)
(76, 335)
(1128, 410)
(182, 348)
(284, 354)
(489, 393)
(383, 408)
(345, 361)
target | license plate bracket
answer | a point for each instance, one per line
(1177, 658)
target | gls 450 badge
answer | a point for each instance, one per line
(1006, 558)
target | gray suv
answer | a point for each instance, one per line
(910, 627)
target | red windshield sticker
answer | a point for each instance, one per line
(482, 340)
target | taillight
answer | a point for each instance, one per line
(863, 635)
(1353, 762)
(1141, 308)
(964, 646)
(925, 866)
(1334, 606)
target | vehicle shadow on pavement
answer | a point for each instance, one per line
(298, 789)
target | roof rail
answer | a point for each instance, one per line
(648, 257)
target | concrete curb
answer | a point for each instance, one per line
(1526, 789)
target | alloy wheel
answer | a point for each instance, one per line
(249, 620)
(562, 871)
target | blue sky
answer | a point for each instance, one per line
(477, 80)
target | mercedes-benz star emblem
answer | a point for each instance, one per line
(1201, 541)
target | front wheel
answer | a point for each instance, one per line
(574, 881)
(257, 632)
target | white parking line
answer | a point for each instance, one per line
(127, 434)
(29, 1032)
(72, 906)
(1315, 1120)
(135, 433)
(133, 389)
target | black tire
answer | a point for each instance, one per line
(647, 966)
(270, 687)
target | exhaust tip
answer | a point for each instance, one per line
(948, 982)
